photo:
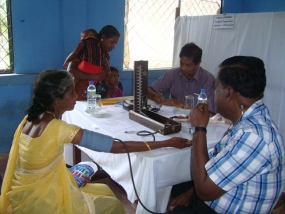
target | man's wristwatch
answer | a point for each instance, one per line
(200, 129)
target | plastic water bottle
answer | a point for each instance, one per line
(91, 100)
(202, 97)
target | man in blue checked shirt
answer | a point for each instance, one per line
(245, 173)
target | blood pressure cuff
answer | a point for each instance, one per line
(96, 141)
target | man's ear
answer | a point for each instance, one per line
(228, 93)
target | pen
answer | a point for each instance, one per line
(173, 117)
(130, 132)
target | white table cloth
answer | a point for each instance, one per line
(154, 171)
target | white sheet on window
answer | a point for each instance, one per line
(254, 34)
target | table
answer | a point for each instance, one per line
(154, 171)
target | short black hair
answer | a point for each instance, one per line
(109, 31)
(112, 68)
(191, 51)
(245, 74)
(120, 85)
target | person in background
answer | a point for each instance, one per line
(245, 172)
(188, 79)
(36, 179)
(83, 70)
(83, 51)
(108, 88)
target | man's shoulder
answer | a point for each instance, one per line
(173, 71)
(203, 73)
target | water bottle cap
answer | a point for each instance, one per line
(91, 82)
(203, 90)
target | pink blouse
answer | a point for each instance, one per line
(117, 93)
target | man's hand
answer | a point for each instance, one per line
(183, 199)
(199, 115)
(159, 98)
(173, 102)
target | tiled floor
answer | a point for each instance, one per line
(100, 177)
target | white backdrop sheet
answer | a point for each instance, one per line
(254, 34)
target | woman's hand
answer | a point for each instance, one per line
(200, 115)
(183, 199)
(87, 180)
(179, 142)
(106, 67)
(100, 77)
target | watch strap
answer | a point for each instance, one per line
(200, 129)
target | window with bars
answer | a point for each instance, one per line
(149, 28)
(6, 46)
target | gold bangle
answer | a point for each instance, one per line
(147, 145)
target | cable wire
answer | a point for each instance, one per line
(132, 177)
(147, 133)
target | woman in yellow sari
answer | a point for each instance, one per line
(36, 178)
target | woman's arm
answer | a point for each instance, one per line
(140, 146)
(70, 57)
(133, 146)
(78, 74)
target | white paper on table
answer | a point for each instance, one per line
(166, 111)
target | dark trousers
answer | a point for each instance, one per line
(196, 207)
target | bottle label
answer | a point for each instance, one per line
(202, 101)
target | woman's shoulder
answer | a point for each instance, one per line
(60, 126)
(63, 129)
(64, 124)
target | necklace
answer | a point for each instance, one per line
(51, 114)
(234, 125)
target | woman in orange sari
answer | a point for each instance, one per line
(36, 178)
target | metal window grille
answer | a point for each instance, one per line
(6, 46)
(149, 28)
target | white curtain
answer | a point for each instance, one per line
(254, 34)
